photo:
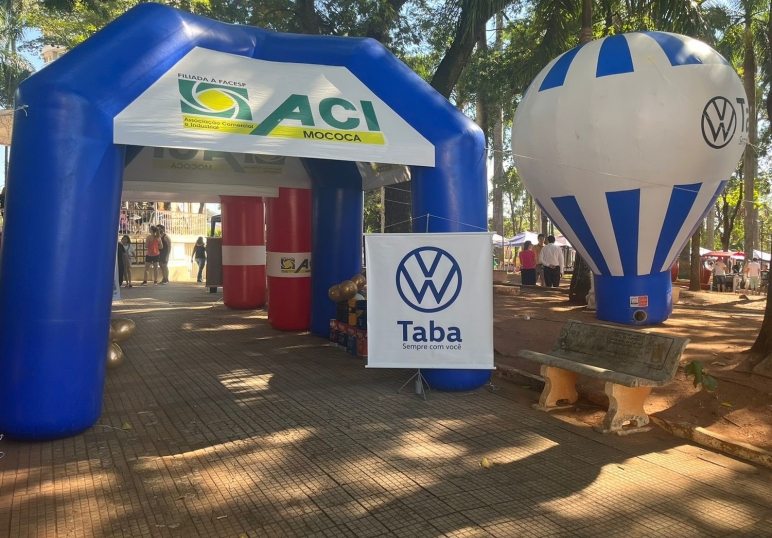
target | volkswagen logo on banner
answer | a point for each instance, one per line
(428, 279)
(719, 122)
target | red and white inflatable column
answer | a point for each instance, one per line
(289, 260)
(243, 252)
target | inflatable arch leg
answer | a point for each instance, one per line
(453, 198)
(55, 302)
(243, 252)
(288, 259)
(336, 245)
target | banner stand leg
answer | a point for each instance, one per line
(420, 381)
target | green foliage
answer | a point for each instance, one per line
(372, 211)
(701, 376)
(67, 24)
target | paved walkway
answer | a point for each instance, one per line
(238, 430)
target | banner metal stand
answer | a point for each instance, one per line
(420, 381)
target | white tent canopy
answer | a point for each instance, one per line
(520, 239)
(763, 256)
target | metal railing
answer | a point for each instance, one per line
(139, 221)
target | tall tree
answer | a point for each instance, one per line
(694, 269)
(14, 67)
(749, 159)
(581, 278)
(498, 145)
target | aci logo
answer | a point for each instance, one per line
(428, 279)
(719, 122)
(289, 265)
(214, 100)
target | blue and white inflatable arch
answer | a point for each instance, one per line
(64, 186)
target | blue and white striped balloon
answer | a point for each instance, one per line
(625, 143)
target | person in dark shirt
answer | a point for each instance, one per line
(121, 266)
(199, 254)
(166, 248)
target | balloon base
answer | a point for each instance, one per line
(456, 380)
(634, 300)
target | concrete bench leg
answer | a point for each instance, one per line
(559, 386)
(625, 406)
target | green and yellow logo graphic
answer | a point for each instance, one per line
(207, 106)
(289, 265)
(214, 100)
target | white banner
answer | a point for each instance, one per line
(217, 101)
(195, 175)
(429, 300)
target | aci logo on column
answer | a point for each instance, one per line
(434, 270)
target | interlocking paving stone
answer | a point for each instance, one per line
(238, 429)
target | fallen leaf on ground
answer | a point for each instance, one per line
(717, 363)
(726, 404)
(126, 426)
(485, 463)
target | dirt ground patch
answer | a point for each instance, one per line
(721, 328)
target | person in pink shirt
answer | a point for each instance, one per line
(528, 265)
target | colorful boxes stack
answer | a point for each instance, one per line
(352, 340)
(349, 330)
(361, 315)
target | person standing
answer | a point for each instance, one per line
(121, 262)
(128, 258)
(719, 275)
(552, 260)
(199, 254)
(152, 253)
(166, 248)
(528, 265)
(539, 265)
(753, 275)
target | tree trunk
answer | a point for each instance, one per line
(710, 226)
(530, 213)
(306, 11)
(586, 35)
(457, 56)
(481, 105)
(580, 281)
(498, 147)
(383, 209)
(694, 270)
(749, 161)
(769, 60)
(763, 344)
(397, 209)
(201, 208)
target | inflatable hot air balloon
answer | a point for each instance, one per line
(625, 143)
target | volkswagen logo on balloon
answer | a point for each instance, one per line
(719, 122)
(428, 279)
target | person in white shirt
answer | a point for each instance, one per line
(552, 259)
(719, 275)
(753, 274)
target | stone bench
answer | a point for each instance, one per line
(631, 362)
